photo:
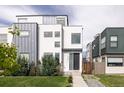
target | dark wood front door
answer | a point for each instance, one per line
(76, 61)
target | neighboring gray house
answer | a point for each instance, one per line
(108, 47)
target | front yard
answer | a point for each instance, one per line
(34, 81)
(112, 80)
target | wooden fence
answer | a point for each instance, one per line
(87, 67)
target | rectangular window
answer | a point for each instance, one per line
(57, 56)
(57, 44)
(61, 21)
(103, 40)
(3, 38)
(48, 54)
(48, 34)
(26, 55)
(24, 33)
(75, 38)
(113, 41)
(113, 62)
(57, 34)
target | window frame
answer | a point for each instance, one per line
(55, 44)
(108, 63)
(23, 34)
(46, 35)
(113, 41)
(72, 36)
(56, 33)
(60, 19)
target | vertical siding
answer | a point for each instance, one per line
(49, 20)
(27, 44)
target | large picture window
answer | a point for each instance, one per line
(115, 62)
(113, 41)
(75, 38)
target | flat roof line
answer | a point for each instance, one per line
(38, 15)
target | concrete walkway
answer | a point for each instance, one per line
(78, 81)
(92, 81)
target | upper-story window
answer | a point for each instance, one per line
(57, 34)
(48, 34)
(60, 21)
(24, 33)
(103, 40)
(75, 38)
(3, 38)
(57, 44)
(113, 41)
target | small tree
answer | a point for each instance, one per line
(8, 56)
(49, 66)
(14, 30)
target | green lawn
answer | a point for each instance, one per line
(34, 81)
(112, 80)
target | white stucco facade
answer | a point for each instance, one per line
(47, 44)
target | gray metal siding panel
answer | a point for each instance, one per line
(49, 20)
(28, 44)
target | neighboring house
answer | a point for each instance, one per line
(5, 37)
(108, 48)
(50, 35)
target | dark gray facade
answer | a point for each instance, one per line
(27, 43)
(119, 32)
(108, 50)
(95, 47)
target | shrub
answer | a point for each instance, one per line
(23, 62)
(32, 69)
(70, 79)
(8, 55)
(50, 66)
(38, 68)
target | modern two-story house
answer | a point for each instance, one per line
(50, 35)
(108, 47)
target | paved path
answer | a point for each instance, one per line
(78, 81)
(92, 82)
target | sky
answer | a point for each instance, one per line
(94, 19)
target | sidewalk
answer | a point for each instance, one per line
(92, 82)
(78, 81)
